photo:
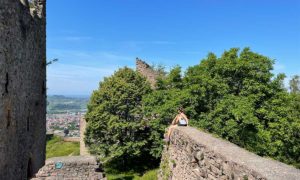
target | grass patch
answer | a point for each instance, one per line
(148, 175)
(57, 147)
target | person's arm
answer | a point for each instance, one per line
(174, 120)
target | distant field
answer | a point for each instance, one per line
(57, 147)
(57, 104)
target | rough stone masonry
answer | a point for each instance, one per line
(193, 155)
(22, 87)
(147, 71)
(71, 167)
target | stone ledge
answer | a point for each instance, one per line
(193, 154)
(71, 167)
(90, 160)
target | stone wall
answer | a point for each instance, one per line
(193, 154)
(147, 71)
(71, 167)
(83, 148)
(22, 88)
(71, 139)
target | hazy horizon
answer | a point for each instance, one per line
(72, 95)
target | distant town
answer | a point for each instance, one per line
(64, 114)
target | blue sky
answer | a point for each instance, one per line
(93, 38)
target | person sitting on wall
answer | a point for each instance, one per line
(180, 120)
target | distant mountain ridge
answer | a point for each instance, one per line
(57, 104)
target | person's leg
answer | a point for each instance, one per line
(170, 130)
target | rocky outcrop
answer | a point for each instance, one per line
(193, 154)
(22, 88)
(71, 167)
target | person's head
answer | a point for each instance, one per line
(180, 110)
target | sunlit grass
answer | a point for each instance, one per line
(148, 175)
(57, 147)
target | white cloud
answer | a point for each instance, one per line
(79, 72)
(278, 66)
(71, 71)
(74, 79)
(160, 42)
(95, 58)
(77, 38)
(70, 39)
(156, 42)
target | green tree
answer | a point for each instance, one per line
(160, 107)
(116, 130)
(240, 99)
(294, 139)
(235, 96)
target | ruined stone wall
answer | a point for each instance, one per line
(71, 167)
(83, 148)
(146, 70)
(71, 139)
(22, 88)
(193, 154)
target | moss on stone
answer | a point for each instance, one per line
(165, 168)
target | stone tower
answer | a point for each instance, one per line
(22, 87)
(147, 71)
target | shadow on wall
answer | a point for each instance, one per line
(29, 169)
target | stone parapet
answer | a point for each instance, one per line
(193, 154)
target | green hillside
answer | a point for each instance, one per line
(57, 147)
(61, 104)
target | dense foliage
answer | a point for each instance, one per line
(116, 130)
(235, 96)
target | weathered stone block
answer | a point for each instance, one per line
(84, 168)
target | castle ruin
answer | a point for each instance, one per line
(23, 87)
(147, 71)
(83, 147)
